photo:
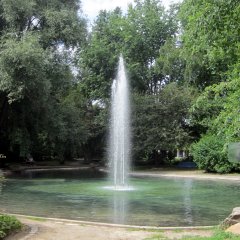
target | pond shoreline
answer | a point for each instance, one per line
(155, 172)
(194, 174)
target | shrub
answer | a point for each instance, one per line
(209, 155)
(8, 224)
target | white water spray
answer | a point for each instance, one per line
(120, 130)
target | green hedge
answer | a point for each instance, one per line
(8, 224)
(209, 155)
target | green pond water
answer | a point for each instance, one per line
(154, 201)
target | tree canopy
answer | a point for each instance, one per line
(183, 67)
(211, 39)
(35, 76)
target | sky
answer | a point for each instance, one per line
(92, 7)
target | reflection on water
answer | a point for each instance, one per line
(1, 186)
(187, 201)
(120, 207)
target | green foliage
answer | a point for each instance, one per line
(211, 51)
(23, 69)
(57, 21)
(218, 235)
(217, 109)
(36, 76)
(161, 121)
(170, 63)
(62, 26)
(16, 12)
(138, 35)
(8, 225)
(210, 155)
(227, 121)
(81, 126)
(211, 39)
(98, 60)
(148, 27)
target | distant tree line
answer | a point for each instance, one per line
(183, 66)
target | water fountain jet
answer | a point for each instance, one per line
(119, 156)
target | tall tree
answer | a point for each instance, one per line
(99, 58)
(211, 38)
(35, 75)
(148, 27)
(138, 35)
(161, 122)
(211, 42)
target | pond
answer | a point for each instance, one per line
(83, 195)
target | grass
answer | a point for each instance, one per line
(217, 235)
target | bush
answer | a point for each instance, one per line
(8, 224)
(209, 155)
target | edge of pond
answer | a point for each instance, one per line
(102, 224)
(184, 174)
(190, 174)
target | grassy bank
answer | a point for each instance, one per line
(8, 225)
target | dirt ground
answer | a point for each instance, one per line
(195, 174)
(45, 229)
